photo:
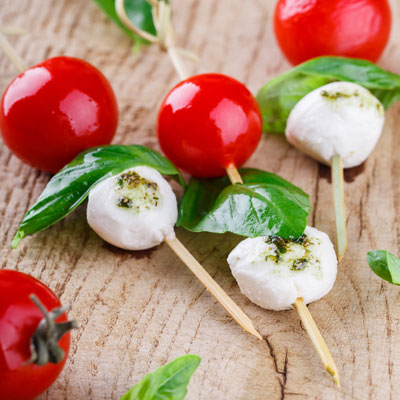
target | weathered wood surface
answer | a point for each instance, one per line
(140, 310)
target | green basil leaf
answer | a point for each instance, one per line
(166, 383)
(70, 187)
(265, 204)
(278, 97)
(385, 265)
(138, 11)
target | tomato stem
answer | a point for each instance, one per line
(120, 10)
(44, 342)
(165, 33)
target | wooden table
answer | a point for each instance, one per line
(139, 310)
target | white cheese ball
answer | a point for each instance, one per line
(134, 210)
(340, 118)
(273, 272)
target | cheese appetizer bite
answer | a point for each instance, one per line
(341, 118)
(273, 272)
(134, 210)
(280, 274)
(338, 124)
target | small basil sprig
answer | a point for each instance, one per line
(138, 11)
(265, 204)
(385, 265)
(70, 187)
(166, 383)
(278, 96)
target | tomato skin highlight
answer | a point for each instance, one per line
(19, 318)
(353, 28)
(56, 109)
(207, 122)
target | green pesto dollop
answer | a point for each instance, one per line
(338, 95)
(291, 256)
(281, 246)
(364, 99)
(136, 193)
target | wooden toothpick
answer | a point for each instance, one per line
(233, 174)
(12, 55)
(212, 286)
(165, 37)
(317, 339)
(340, 207)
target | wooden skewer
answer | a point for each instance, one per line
(12, 30)
(165, 33)
(12, 55)
(204, 277)
(120, 10)
(233, 174)
(340, 207)
(317, 339)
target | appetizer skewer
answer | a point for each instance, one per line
(279, 274)
(221, 119)
(298, 302)
(137, 210)
(339, 125)
(133, 208)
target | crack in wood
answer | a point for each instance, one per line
(282, 374)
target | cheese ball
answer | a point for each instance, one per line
(341, 118)
(134, 210)
(273, 272)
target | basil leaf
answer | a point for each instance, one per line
(166, 383)
(138, 11)
(385, 265)
(278, 97)
(265, 204)
(70, 187)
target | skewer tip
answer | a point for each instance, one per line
(256, 334)
(335, 375)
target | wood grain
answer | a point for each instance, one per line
(138, 310)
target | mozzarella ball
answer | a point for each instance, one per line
(273, 272)
(134, 210)
(340, 118)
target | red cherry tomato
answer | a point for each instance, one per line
(19, 318)
(354, 28)
(207, 122)
(56, 109)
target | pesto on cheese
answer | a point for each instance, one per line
(136, 193)
(295, 255)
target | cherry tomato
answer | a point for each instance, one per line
(207, 122)
(19, 319)
(56, 109)
(354, 28)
